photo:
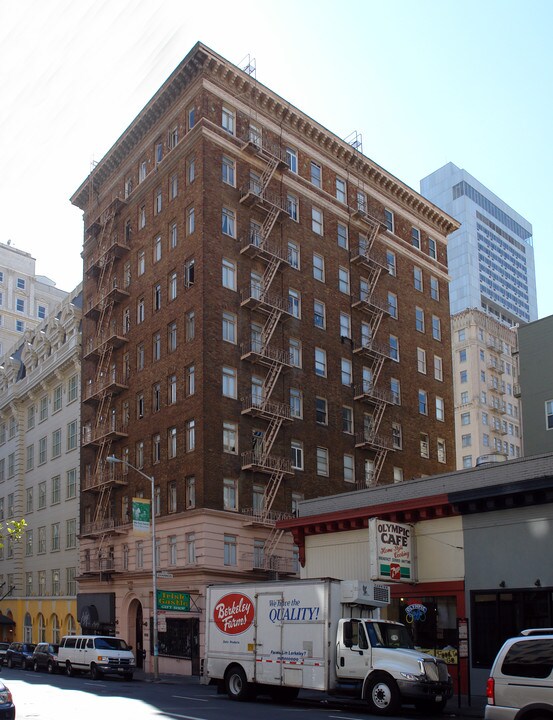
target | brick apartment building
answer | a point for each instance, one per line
(266, 319)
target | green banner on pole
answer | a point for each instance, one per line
(168, 600)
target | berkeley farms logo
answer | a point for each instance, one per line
(233, 613)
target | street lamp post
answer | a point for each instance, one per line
(112, 460)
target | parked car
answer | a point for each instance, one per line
(3, 648)
(19, 655)
(521, 679)
(7, 708)
(45, 657)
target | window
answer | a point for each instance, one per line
(294, 303)
(389, 220)
(466, 440)
(172, 497)
(191, 115)
(190, 325)
(190, 429)
(416, 238)
(140, 311)
(190, 380)
(342, 236)
(43, 414)
(316, 174)
(191, 548)
(191, 169)
(319, 314)
(230, 494)
(292, 204)
(228, 171)
(463, 355)
(228, 222)
(391, 262)
(346, 371)
(229, 274)
(392, 305)
(20, 326)
(56, 443)
(230, 437)
(29, 545)
(30, 456)
(294, 347)
(296, 403)
(461, 335)
(361, 199)
(347, 419)
(434, 288)
(321, 411)
(229, 327)
(156, 346)
(341, 190)
(20, 305)
(419, 319)
(293, 255)
(157, 201)
(173, 235)
(397, 440)
(317, 221)
(423, 402)
(297, 455)
(320, 362)
(292, 159)
(141, 217)
(421, 360)
(549, 415)
(20, 283)
(190, 491)
(230, 545)
(172, 549)
(42, 451)
(190, 220)
(229, 382)
(467, 461)
(71, 533)
(464, 397)
(139, 454)
(41, 545)
(395, 390)
(349, 468)
(436, 328)
(72, 435)
(440, 411)
(345, 325)
(40, 312)
(31, 414)
(139, 553)
(55, 537)
(28, 500)
(227, 120)
(424, 446)
(41, 497)
(394, 348)
(432, 248)
(438, 368)
(318, 267)
(343, 280)
(322, 461)
(417, 279)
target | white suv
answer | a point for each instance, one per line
(521, 679)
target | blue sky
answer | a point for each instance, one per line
(424, 81)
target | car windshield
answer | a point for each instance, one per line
(389, 636)
(108, 643)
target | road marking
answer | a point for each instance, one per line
(189, 697)
(176, 715)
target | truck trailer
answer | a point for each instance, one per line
(317, 634)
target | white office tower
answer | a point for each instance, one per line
(491, 256)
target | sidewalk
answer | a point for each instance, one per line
(453, 707)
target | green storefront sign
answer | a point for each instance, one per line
(167, 600)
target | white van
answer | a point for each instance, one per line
(97, 654)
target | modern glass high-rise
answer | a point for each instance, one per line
(491, 256)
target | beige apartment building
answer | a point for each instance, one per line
(487, 409)
(39, 475)
(26, 298)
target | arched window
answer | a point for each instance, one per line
(27, 629)
(55, 629)
(71, 625)
(41, 628)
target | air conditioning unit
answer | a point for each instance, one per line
(365, 592)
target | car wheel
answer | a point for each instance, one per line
(50, 667)
(35, 666)
(236, 684)
(382, 695)
(69, 669)
(95, 672)
(10, 663)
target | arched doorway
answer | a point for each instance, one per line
(136, 620)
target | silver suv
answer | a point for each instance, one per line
(521, 679)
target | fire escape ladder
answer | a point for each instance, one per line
(379, 459)
(267, 174)
(270, 436)
(270, 494)
(270, 326)
(270, 271)
(270, 379)
(268, 224)
(271, 544)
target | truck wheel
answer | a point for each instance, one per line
(69, 669)
(382, 695)
(236, 684)
(431, 708)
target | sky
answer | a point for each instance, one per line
(425, 82)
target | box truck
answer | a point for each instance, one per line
(317, 634)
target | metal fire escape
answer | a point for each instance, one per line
(109, 334)
(372, 264)
(261, 298)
